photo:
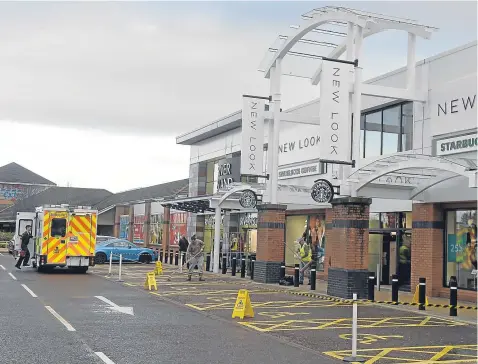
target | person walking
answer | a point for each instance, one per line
(183, 247)
(195, 256)
(25, 253)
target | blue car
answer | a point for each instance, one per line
(130, 252)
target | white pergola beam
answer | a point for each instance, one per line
(391, 93)
(294, 118)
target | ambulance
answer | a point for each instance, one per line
(63, 236)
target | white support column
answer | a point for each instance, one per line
(270, 138)
(217, 237)
(344, 170)
(412, 40)
(357, 110)
(276, 99)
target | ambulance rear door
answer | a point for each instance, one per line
(55, 227)
(24, 219)
(81, 240)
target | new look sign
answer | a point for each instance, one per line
(252, 146)
(334, 111)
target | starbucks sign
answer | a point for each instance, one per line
(460, 144)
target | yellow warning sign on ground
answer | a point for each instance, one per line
(243, 307)
(158, 269)
(150, 281)
(415, 296)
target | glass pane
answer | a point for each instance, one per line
(295, 227)
(373, 121)
(461, 247)
(362, 136)
(372, 143)
(389, 220)
(390, 143)
(58, 227)
(391, 116)
(374, 220)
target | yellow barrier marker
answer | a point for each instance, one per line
(158, 269)
(150, 281)
(415, 296)
(243, 307)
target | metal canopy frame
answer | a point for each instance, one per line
(427, 170)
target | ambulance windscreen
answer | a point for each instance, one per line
(58, 227)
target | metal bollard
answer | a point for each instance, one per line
(208, 262)
(120, 265)
(296, 276)
(181, 262)
(161, 256)
(165, 257)
(253, 261)
(171, 257)
(313, 276)
(282, 270)
(354, 357)
(422, 286)
(224, 264)
(111, 262)
(243, 267)
(233, 266)
(453, 296)
(395, 288)
(176, 257)
(371, 286)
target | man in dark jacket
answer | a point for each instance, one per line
(183, 248)
(25, 253)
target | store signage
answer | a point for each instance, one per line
(397, 180)
(252, 146)
(299, 144)
(228, 172)
(300, 171)
(249, 220)
(322, 191)
(453, 106)
(461, 144)
(334, 111)
(248, 199)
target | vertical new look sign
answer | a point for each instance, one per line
(252, 147)
(334, 111)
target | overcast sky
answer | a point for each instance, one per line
(118, 81)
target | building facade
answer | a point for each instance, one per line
(433, 234)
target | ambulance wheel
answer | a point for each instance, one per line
(145, 258)
(100, 258)
(82, 270)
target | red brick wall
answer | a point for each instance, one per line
(270, 233)
(427, 247)
(347, 246)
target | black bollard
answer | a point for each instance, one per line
(170, 257)
(453, 296)
(176, 259)
(296, 276)
(422, 287)
(395, 288)
(208, 262)
(161, 256)
(313, 276)
(371, 286)
(224, 264)
(233, 266)
(282, 270)
(165, 257)
(243, 267)
(253, 261)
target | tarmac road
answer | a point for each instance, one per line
(58, 318)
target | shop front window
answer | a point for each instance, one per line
(461, 248)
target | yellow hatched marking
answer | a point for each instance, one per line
(203, 306)
(442, 353)
(425, 321)
(380, 355)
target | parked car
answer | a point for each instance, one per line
(129, 251)
(102, 238)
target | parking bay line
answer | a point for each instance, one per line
(29, 290)
(103, 357)
(61, 319)
(1, 266)
(13, 277)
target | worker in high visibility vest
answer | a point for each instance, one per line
(305, 254)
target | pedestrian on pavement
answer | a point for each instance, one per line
(305, 254)
(195, 256)
(183, 247)
(25, 253)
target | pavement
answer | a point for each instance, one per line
(92, 318)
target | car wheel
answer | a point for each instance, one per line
(145, 258)
(100, 258)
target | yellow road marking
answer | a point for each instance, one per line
(282, 314)
(369, 338)
(380, 355)
(203, 306)
(425, 320)
(442, 353)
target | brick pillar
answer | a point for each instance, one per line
(166, 220)
(131, 223)
(270, 243)
(147, 223)
(427, 246)
(347, 246)
(119, 210)
(328, 248)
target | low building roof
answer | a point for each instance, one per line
(15, 173)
